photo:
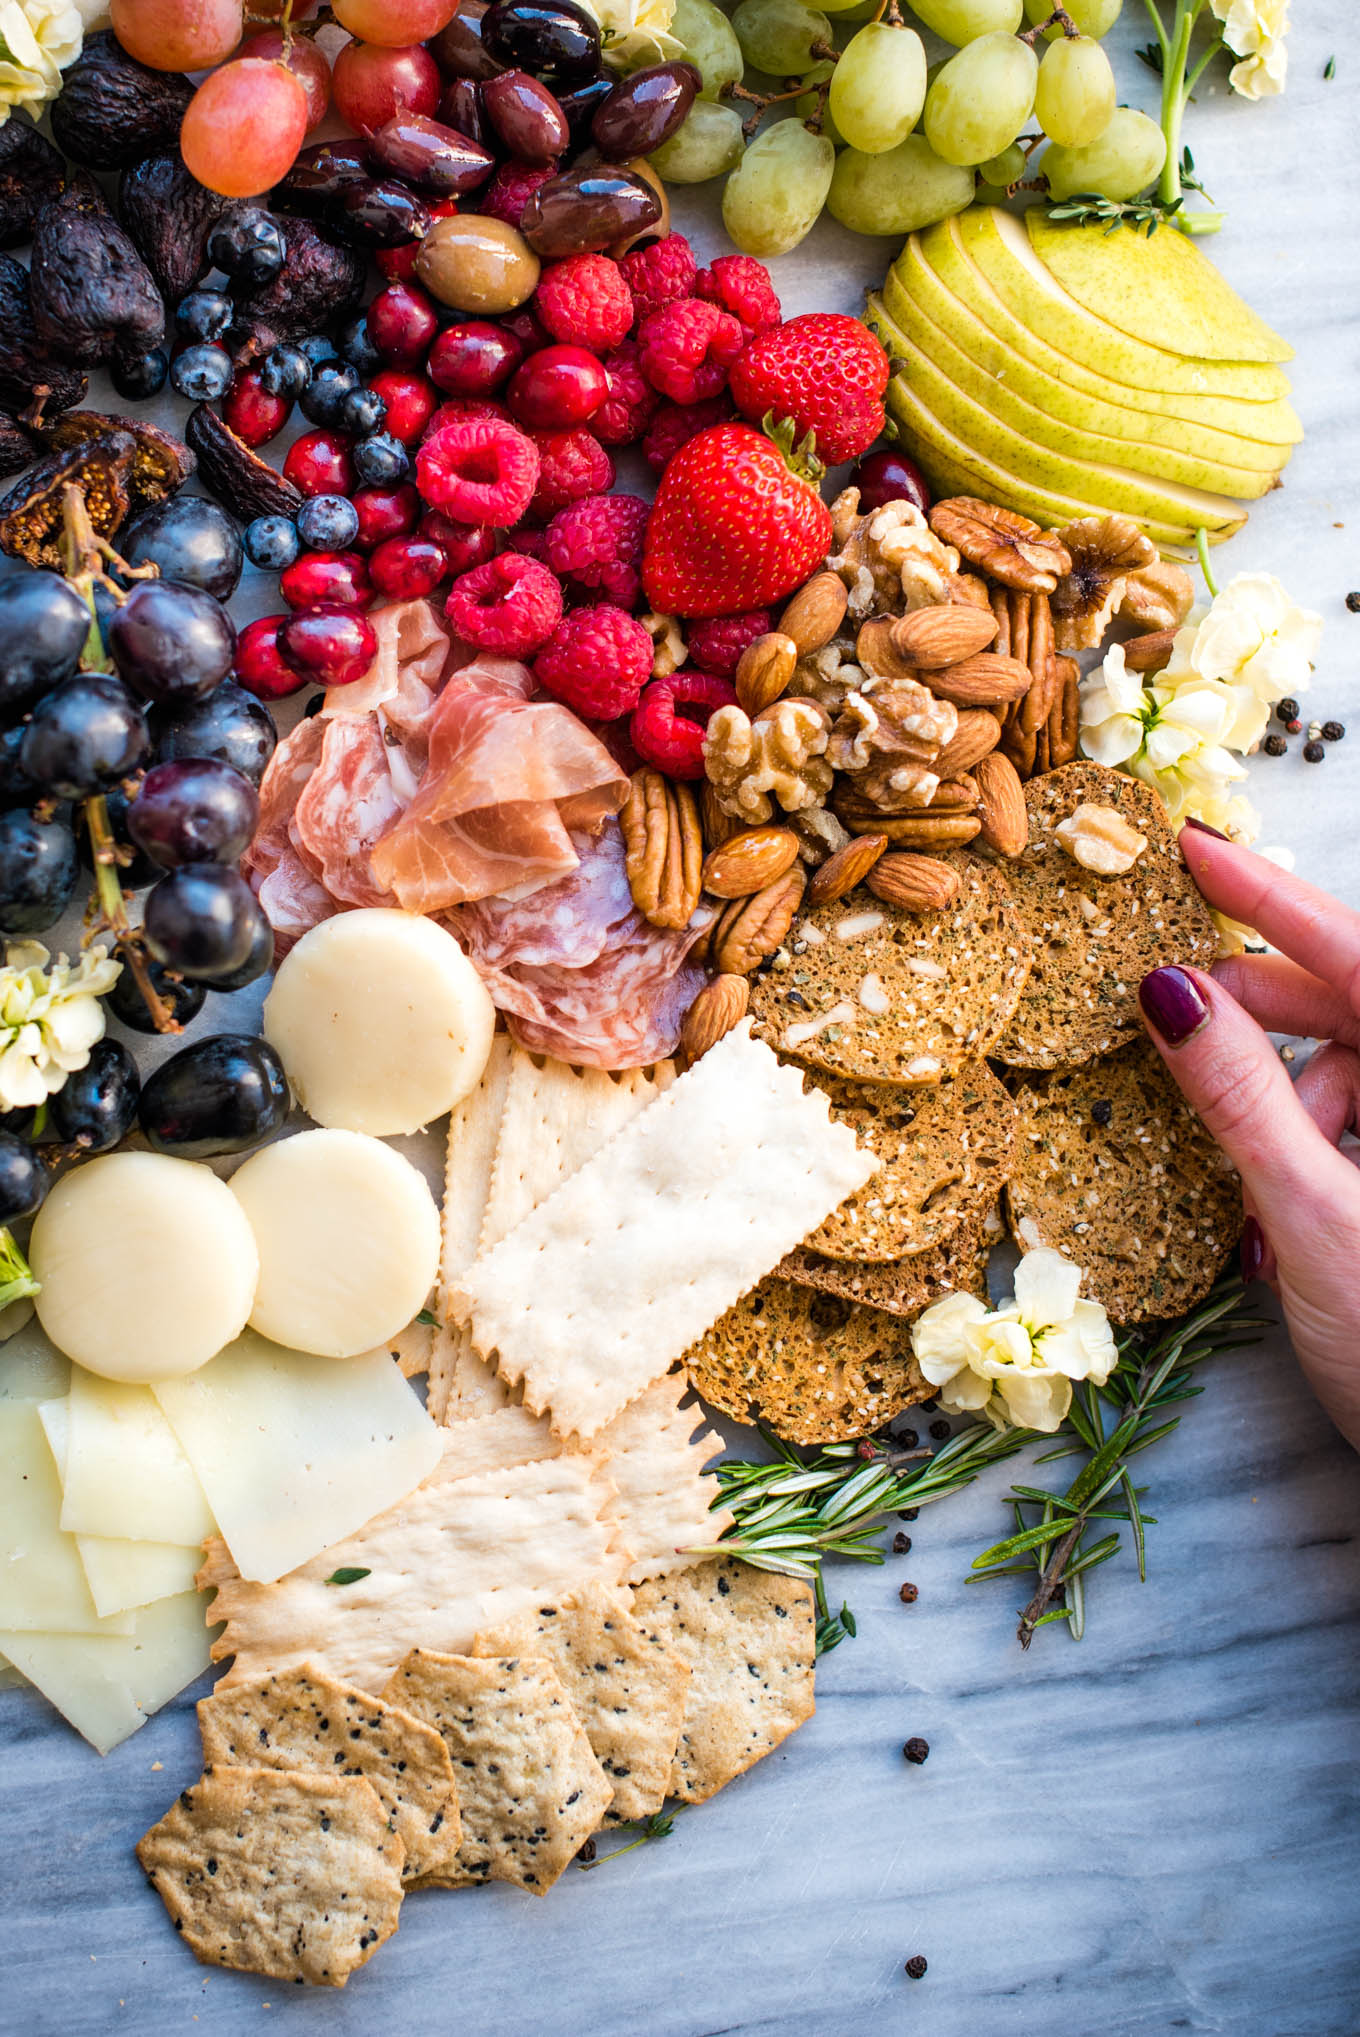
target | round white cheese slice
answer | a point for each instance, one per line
(147, 1266)
(380, 1020)
(348, 1237)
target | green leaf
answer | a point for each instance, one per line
(1329, 69)
(1032, 1538)
(1101, 1553)
(347, 1576)
(428, 1318)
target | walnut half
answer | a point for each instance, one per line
(783, 751)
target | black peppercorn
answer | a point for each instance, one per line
(1353, 603)
(909, 1514)
(915, 1969)
(908, 1594)
(939, 1430)
(1313, 753)
(907, 1439)
(585, 1854)
(1275, 746)
(901, 1543)
(1333, 731)
(1287, 710)
(916, 1751)
(1102, 1110)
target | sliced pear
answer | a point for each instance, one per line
(896, 313)
(1274, 423)
(1000, 247)
(1157, 287)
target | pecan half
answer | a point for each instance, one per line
(663, 849)
(907, 830)
(752, 928)
(1001, 543)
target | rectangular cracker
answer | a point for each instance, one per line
(656, 1452)
(607, 1283)
(629, 1692)
(474, 1128)
(530, 1789)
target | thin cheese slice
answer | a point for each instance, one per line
(121, 1575)
(108, 1686)
(10, 1677)
(294, 1451)
(42, 1584)
(125, 1475)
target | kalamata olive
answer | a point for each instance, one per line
(526, 117)
(580, 103)
(588, 208)
(458, 49)
(552, 38)
(431, 156)
(381, 214)
(477, 264)
(321, 176)
(644, 110)
(461, 109)
(221, 1095)
(641, 236)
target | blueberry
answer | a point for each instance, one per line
(327, 523)
(317, 348)
(204, 314)
(142, 376)
(285, 371)
(357, 348)
(250, 247)
(363, 411)
(201, 373)
(381, 461)
(271, 543)
(331, 383)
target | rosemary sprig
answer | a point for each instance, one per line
(1144, 215)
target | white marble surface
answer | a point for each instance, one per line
(1151, 1831)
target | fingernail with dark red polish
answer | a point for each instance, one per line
(1253, 1251)
(1202, 827)
(1173, 1005)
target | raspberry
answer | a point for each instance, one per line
(597, 660)
(688, 348)
(511, 605)
(670, 719)
(572, 464)
(627, 409)
(675, 424)
(459, 409)
(742, 286)
(510, 190)
(597, 544)
(660, 274)
(585, 302)
(479, 471)
(717, 642)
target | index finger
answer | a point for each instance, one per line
(1306, 924)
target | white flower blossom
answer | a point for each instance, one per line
(1254, 31)
(1253, 636)
(636, 32)
(38, 39)
(1016, 1364)
(1177, 736)
(50, 1017)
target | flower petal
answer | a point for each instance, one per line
(1046, 1287)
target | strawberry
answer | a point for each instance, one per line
(826, 372)
(733, 526)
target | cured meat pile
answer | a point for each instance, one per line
(438, 784)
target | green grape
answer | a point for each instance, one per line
(863, 10)
(963, 21)
(1089, 17)
(981, 99)
(1006, 169)
(811, 103)
(1122, 163)
(777, 35)
(773, 197)
(879, 87)
(1074, 97)
(899, 192)
(710, 42)
(708, 142)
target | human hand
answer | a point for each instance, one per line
(1301, 1195)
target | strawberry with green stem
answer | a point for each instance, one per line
(737, 523)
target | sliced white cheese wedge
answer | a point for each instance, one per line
(42, 1584)
(296, 1452)
(121, 1575)
(348, 1240)
(146, 1263)
(108, 1686)
(125, 1476)
(380, 1020)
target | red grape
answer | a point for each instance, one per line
(373, 84)
(305, 58)
(394, 21)
(177, 35)
(243, 127)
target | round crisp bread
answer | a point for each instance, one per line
(1094, 938)
(1114, 1170)
(813, 1368)
(876, 994)
(945, 1153)
(903, 1287)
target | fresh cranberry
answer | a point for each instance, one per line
(339, 579)
(531, 335)
(557, 389)
(402, 321)
(889, 476)
(385, 513)
(464, 545)
(334, 646)
(249, 410)
(259, 665)
(404, 569)
(411, 402)
(319, 463)
(473, 359)
(399, 264)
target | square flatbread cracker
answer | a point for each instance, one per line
(628, 1690)
(305, 1719)
(474, 1128)
(297, 1877)
(750, 1639)
(530, 1789)
(600, 1290)
(664, 1502)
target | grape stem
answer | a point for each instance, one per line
(758, 101)
(1059, 18)
(1177, 91)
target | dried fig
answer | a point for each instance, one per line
(239, 478)
(30, 381)
(93, 296)
(113, 111)
(317, 284)
(31, 172)
(16, 448)
(31, 512)
(169, 215)
(161, 463)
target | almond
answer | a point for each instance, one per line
(1150, 652)
(839, 875)
(878, 654)
(720, 1005)
(1005, 823)
(977, 733)
(764, 671)
(984, 680)
(816, 612)
(931, 637)
(913, 883)
(750, 861)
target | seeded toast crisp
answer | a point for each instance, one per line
(944, 1153)
(903, 1287)
(814, 1367)
(876, 994)
(1114, 1170)
(1094, 938)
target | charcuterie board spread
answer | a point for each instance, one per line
(746, 883)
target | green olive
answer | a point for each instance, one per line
(473, 263)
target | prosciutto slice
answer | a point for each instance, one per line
(413, 655)
(342, 810)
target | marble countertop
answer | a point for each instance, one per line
(1154, 1830)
